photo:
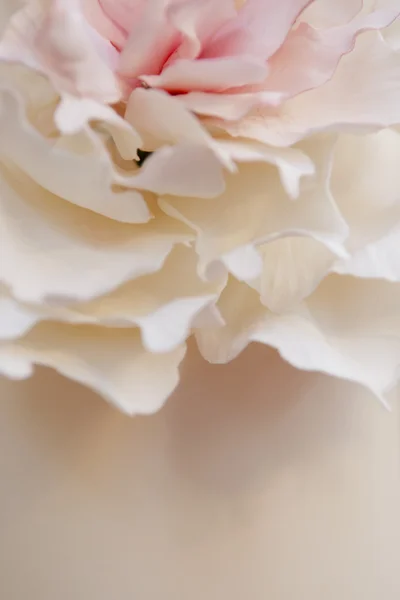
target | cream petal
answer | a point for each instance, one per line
(392, 35)
(292, 163)
(331, 13)
(75, 114)
(170, 325)
(7, 9)
(76, 168)
(380, 259)
(183, 170)
(349, 328)
(162, 119)
(112, 362)
(229, 106)
(254, 209)
(56, 249)
(292, 269)
(244, 263)
(15, 319)
(164, 305)
(241, 310)
(365, 184)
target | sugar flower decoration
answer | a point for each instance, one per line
(228, 171)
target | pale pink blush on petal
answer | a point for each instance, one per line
(309, 57)
(214, 75)
(260, 29)
(58, 41)
(151, 41)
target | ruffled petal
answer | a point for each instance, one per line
(162, 119)
(197, 22)
(363, 94)
(7, 10)
(55, 249)
(55, 39)
(309, 56)
(164, 305)
(377, 260)
(254, 209)
(183, 170)
(331, 13)
(348, 328)
(259, 30)
(292, 163)
(113, 362)
(292, 270)
(15, 319)
(216, 74)
(151, 40)
(229, 106)
(74, 167)
(365, 184)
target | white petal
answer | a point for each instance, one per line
(292, 163)
(244, 263)
(380, 260)
(76, 168)
(183, 170)
(163, 119)
(348, 328)
(112, 362)
(254, 209)
(366, 183)
(15, 319)
(242, 312)
(331, 13)
(164, 305)
(74, 115)
(53, 248)
(292, 269)
(228, 106)
(7, 9)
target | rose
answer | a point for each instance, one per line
(267, 208)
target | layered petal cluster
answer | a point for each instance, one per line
(208, 168)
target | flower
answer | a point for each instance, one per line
(223, 170)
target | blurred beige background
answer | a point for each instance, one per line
(255, 482)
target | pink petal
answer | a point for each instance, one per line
(197, 21)
(210, 75)
(113, 19)
(57, 41)
(364, 93)
(260, 29)
(309, 56)
(151, 41)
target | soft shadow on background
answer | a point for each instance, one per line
(255, 482)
